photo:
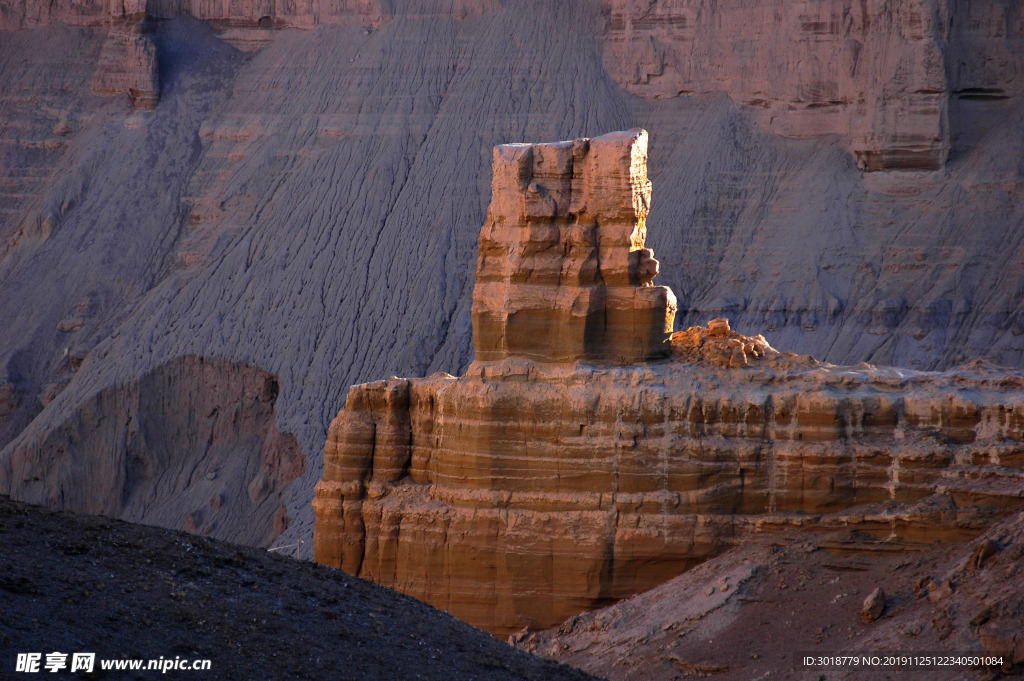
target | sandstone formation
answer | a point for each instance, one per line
(128, 65)
(563, 273)
(880, 73)
(192, 446)
(607, 481)
(228, 14)
(718, 344)
(530, 489)
(313, 207)
(263, 14)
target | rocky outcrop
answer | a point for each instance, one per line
(192, 446)
(563, 273)
(21, 14)
(232, 14)
(315, 209)
(718, 344)
(128, 65)
(809, 587)
(607, 481)
(267, 14)
(529, 489)
(881, 72)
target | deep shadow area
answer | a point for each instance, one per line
(74, 583)
(193, 445)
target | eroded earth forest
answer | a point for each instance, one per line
(658, 338)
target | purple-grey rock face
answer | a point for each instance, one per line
(306, 196)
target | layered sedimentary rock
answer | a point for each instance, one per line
(880, 72)
(231, 14)
(266, 14)
(20, 14)
(710, 621)
(522, 493)
(128, 65)
(563, 273)
(530, 489)
(192, 446)
(314, 208)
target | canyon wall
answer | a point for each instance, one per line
(233, 14)
(535, 487)
(264, 14)
(309, 202)
(192, 446)
(879, 73)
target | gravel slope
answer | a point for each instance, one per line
(74, 583)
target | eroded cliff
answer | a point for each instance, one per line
(228, 14)
(742, 615)
(192, 446)
(128, 65)
(551, 479)
(562, 272)
(881, 73)
(310, 201)
(19, 14)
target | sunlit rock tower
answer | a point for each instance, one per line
(563, 274)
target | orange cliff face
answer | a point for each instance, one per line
(563, 274)
(588, 455)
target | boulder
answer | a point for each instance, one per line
(873, 606)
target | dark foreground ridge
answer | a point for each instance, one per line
(74, 583)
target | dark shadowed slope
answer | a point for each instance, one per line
(74, 583)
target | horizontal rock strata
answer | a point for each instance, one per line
(128, 65)
(523, 493)
(711, 620)
(555, 477)
(563, 273)
(232, 14)
(879, 72)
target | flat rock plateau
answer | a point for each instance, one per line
(78, 583)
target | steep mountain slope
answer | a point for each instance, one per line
(309, 204)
